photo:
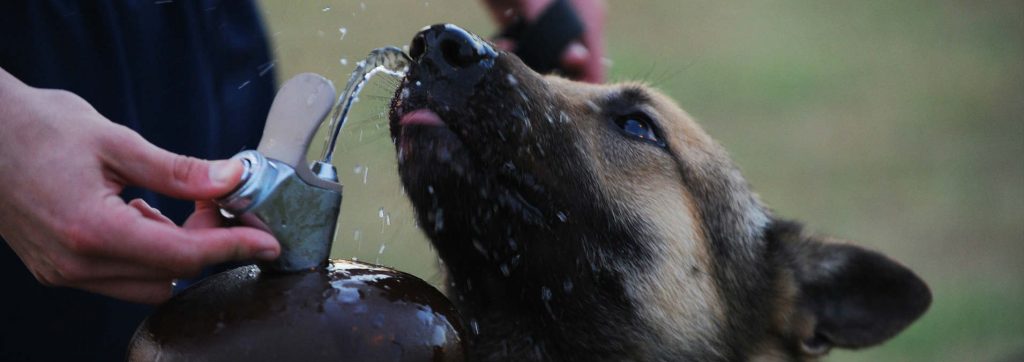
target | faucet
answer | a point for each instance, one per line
(279, 191)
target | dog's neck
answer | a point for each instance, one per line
(512, 319)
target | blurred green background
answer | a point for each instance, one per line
(898, 124)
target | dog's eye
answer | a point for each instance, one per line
(639, 126)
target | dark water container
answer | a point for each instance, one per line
(348, 311)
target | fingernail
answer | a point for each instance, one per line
(577, 50)
(225, 172)
(269, 254)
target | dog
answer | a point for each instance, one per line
(581, 222)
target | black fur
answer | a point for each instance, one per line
(539, 255)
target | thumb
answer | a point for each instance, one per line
(141, 163)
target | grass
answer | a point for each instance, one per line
(897, 124)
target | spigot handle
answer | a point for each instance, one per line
(297, 111)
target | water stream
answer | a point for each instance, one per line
(388, 60)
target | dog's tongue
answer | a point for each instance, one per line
(423, 117)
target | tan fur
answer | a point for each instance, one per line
(652, 194)
(709, 273)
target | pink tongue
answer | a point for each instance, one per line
(423, 117)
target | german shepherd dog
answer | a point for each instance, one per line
(583, 222)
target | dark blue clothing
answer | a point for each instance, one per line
(193, 77)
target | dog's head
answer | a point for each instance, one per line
(570, 201)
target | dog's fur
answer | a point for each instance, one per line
(567, 238)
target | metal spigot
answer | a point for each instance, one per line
(279, 192)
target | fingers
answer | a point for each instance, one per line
(206, 216)
(143, 164)
(575, 58)
(138, 291)
(149, 212)
(504, 44)
(79, 270)
(136, 252)
(578, 61)
(183, 251)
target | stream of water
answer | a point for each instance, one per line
(388, 60)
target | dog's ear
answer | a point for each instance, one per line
(848, 297)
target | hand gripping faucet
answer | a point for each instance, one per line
(302, 307)
(279, 191)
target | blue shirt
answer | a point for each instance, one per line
(193, 77)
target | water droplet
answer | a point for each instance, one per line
(545, 293)
(326, 9)
(479, 247)
(380, 213)
(562, 216)
(344, 61)
(438, 337)
(348, 295)
(357, 234)
(439, 220)
(512, 81)
(381, 251)
(343, 32)
(425, 315)
(474, 326)
(358, 169)
(387, 219)
(227, 214)
(504, 269)
(567, 285)
(266, 67)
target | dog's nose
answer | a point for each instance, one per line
(447, 48)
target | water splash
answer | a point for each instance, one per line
(388, 60)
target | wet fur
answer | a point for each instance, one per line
(566, 240)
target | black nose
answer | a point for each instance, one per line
(449, 48)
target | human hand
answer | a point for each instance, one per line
(582, 58)
(62, 166)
